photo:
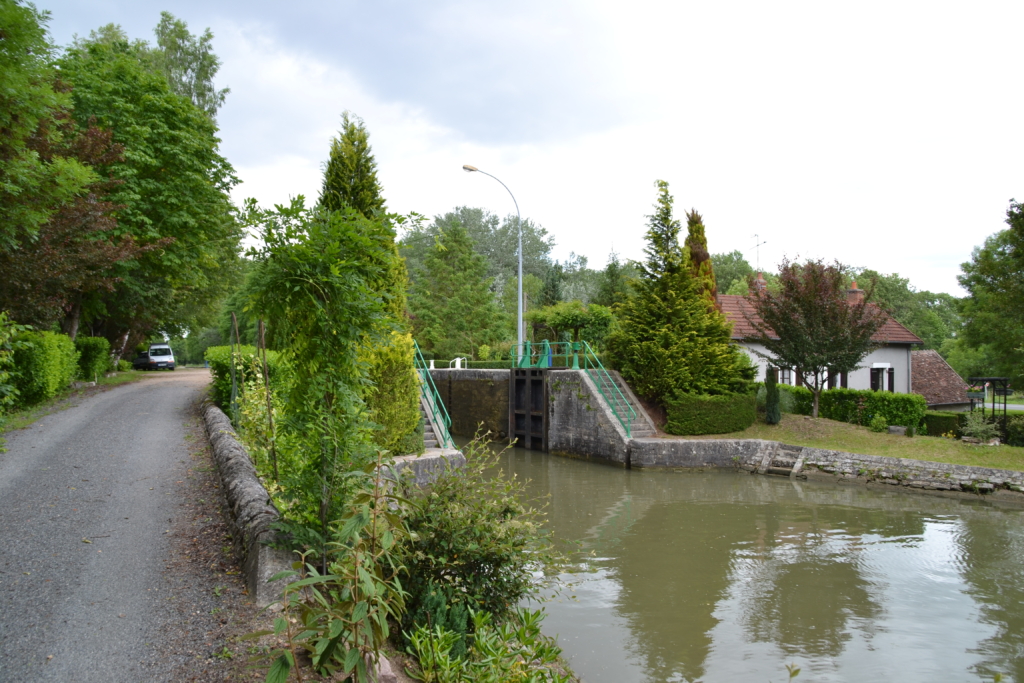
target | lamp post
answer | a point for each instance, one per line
(519, 226)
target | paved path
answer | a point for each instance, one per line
(105, 471)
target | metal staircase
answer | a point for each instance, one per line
(615, 393)
(436, 422)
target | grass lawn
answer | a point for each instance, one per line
(800, 430)
(20, 419)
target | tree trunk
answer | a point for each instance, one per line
(817, 392)
(72, 319)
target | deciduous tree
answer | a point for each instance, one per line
(809, 323)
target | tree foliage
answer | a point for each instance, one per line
(810, 325)
(731, 270)
(453, 308)
(934, 317)
(994, 308)
(32, 186)
(668, 340)
(571, 321)
(350, 176)
(699, 258)
(188, 63)
(613, 286)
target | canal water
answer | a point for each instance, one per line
(730, 577)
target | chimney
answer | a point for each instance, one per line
(854, 295)
(759, 283)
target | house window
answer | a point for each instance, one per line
(877, 375)
(892, 379)
(785, 376)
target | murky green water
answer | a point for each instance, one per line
(729, 577)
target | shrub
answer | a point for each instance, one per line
(124, 365)
(940, 423)
(45, 363)
(1015, 430)
(93, 357)
(878, 424)
(977, 426)
(862, 406)
(219, 358)
(472, 535)
(393, 398)
(694, 414)
(798, 400)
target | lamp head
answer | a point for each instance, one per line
(469, 169)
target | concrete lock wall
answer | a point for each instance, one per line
(475, 398)
(580, 424)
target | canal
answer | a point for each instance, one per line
(729, 577)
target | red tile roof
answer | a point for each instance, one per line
(935, 380)
(737, 309)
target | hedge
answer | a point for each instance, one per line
(93, 357)
(940, 422)
(44, 364)
(862, 406)
(797, 400)
(691, 414)
(1015, 430)
(219, 358)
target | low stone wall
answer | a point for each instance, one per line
(253, 513)
(475, 397)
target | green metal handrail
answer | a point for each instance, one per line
(432, 398)
(545, 354)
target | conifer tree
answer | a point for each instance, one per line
(350, 184)
(453, 307)
(350, 176)
(669, 341)
(699, 258)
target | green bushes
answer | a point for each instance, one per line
(940, 423)
(1015, 430)
(219, 358)
(797, 400)
(692, 414)
(862, 407)
(93, 357)
(44, 363)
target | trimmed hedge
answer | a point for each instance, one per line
(798, 400)
(862, 406)
(44, 364)
(939, 422)
(691, 414)
(219, 358)
(93, 357)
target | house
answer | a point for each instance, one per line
(940, 385)
(887, 368)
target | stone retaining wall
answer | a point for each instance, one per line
(253, 513)
(475, 397)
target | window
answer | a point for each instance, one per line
(876, 379)
(785, 376)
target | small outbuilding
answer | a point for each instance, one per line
(939, 383)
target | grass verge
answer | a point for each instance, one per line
(19, 419)
(800, 430)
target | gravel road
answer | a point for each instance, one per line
(108, 557)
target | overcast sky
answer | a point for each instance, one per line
(883, 134)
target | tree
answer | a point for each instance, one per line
(173, 190)
(699, 258)
(188, 63)
(32, 188)
(613, 286)
(572, 321)
(350, 176)
(669, 341)
(932, 317)
(731, 269)
(994, 308)
(454, 310)
(809, 324)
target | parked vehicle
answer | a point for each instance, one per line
(159, 356)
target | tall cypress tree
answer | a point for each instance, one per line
(699, 258)
(669, 341)
(350, 184)
(350, 177)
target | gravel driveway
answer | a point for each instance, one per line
(114, 559)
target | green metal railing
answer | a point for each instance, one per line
(439, 418)
(578, 356)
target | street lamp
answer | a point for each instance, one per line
(519, 225)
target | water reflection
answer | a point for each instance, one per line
(720, 576)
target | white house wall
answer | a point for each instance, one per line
(897, 357)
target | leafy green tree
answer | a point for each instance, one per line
(810, 325)
(188, 63)
(932, 317)
(731, 270)
(668, 340)
(699, 258)
(173, 191)
(350, 177)
(994, 308)
(571, 321)
(33, 186)
(554, 278)
(580, 283)
(453, 308)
